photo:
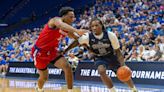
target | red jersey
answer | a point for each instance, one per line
(47, 45)
(49, 38)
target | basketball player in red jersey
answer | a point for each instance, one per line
(45, 48)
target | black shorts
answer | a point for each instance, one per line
(109, 62)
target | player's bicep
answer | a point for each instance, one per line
(54, 22)
(114, 40)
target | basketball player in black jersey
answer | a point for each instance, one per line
(106, 49)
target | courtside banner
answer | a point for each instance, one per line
(142, 72)
(28, 70)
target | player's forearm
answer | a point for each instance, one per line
(72, 45)
(66, 27)
(72, 35)
(120, 56)
(60, 24)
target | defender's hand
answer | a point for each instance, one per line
(80, 32)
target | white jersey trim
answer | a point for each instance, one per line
(84, 39)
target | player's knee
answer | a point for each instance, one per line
(67, 67)
(101, 70)
(3, 66)
(43, 78)
(46, 78)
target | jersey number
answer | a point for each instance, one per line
(102, 50)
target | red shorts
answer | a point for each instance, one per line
(42, 58)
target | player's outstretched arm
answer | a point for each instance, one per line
(57, 22)
(72, 45)
(84, 39)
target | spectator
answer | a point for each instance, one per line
(13, 58)
(28, 58)
(134, 56)
(3, 68)
(158, 54)
(148, 52)
(125, 53)
(133, 21)
(141, 51)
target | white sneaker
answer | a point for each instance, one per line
(3, 74)
(70, 90)
(135, 90)
(37, 90)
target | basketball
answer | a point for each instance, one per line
(124, 73)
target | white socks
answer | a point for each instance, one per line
(70, 90)
(113, 89)
(40, 90)
(134, 89)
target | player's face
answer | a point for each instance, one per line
(96, 27)
(70, 17)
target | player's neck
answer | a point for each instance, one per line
(98, 34)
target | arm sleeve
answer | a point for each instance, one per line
(84, 39)
(114, 40)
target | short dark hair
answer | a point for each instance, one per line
(64, 10)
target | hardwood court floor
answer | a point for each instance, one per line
(24, 85)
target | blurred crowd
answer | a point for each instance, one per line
(17, 47)
(138, 24)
